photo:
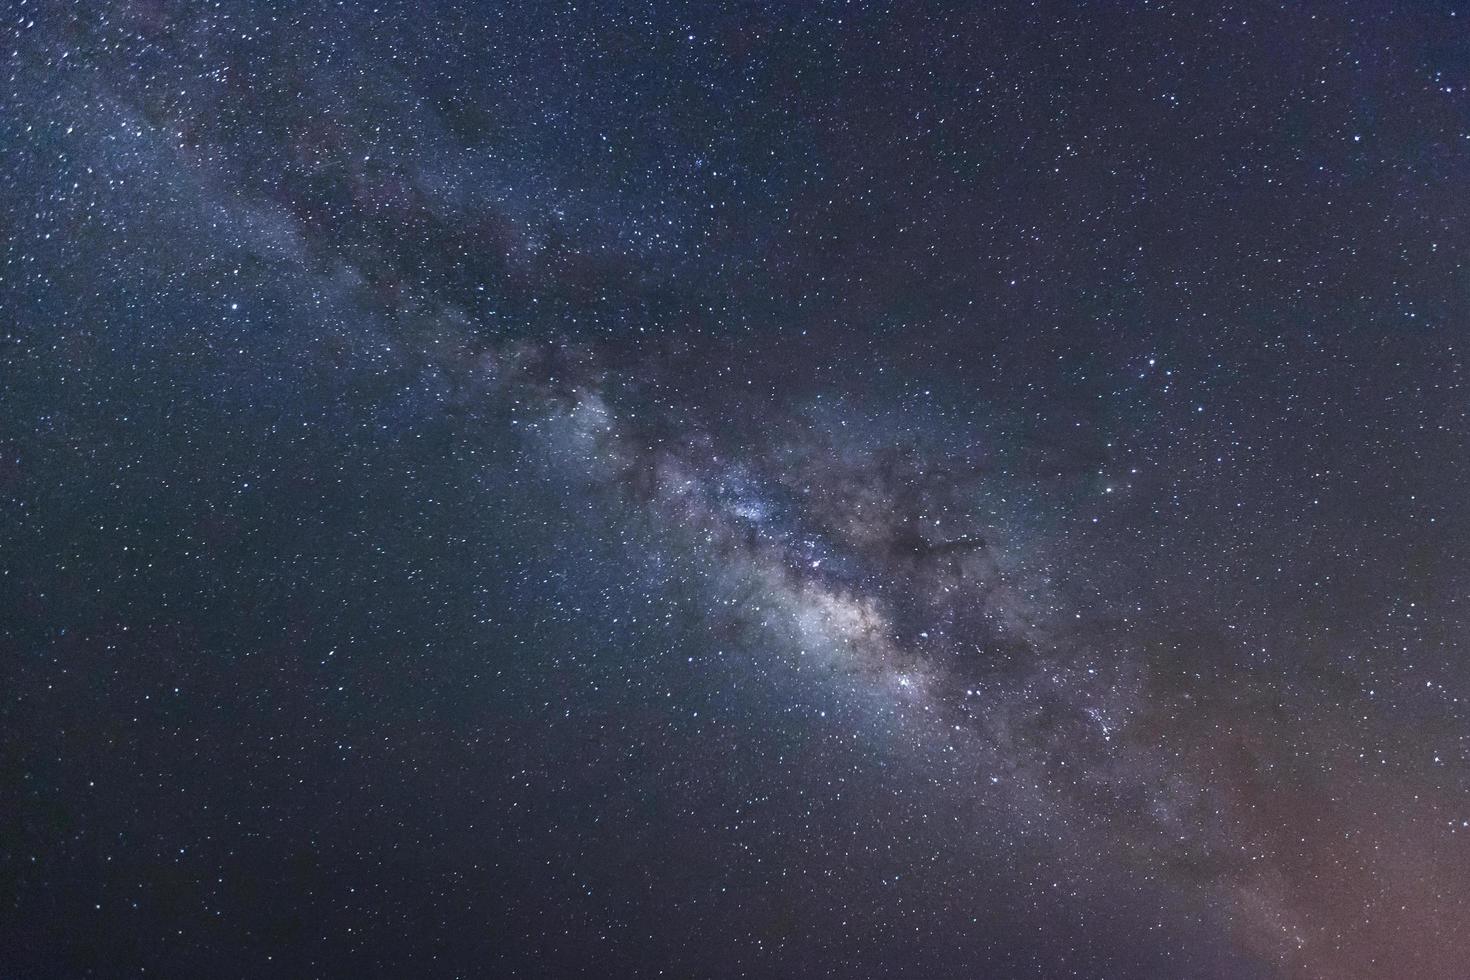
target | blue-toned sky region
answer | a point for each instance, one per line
(833, 489)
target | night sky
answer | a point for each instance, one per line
(826, 489)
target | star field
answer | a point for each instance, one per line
(747, 489)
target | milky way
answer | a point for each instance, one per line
(734, 490)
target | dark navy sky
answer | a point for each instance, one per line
(734, 490)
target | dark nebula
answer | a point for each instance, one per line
(746, 489)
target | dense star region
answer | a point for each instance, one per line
(737, 489)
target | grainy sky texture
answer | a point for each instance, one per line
(906, 490)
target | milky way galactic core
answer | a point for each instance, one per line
(832, 489)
